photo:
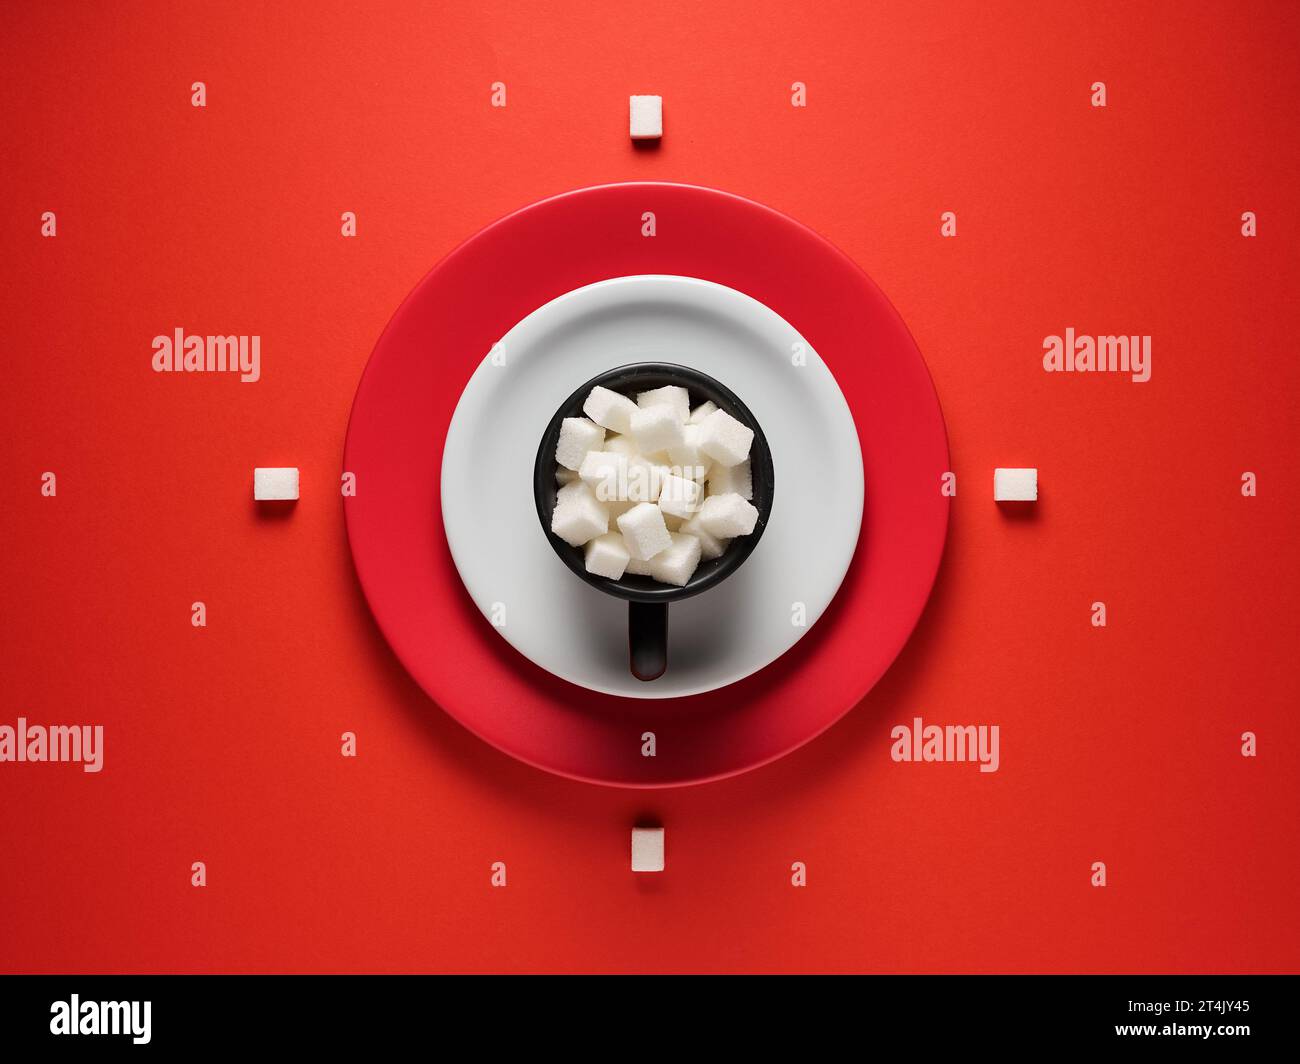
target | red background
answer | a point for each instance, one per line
(222, 744)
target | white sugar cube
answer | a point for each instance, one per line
(643, 530)
(669, 395)
(1015, 485)
(637, 567)
(711, 546)
(701, 412)
(607, 556)
(728, 480)
(605, 473)
(646, 117)
(679, 496)
(621, 444)
(724, 439)
(578, 516)
(272, 484)
(647, 846)
(657, 428)
(644, 479)
(577, 437)
(687, 456)
(564, 476)
(726, 516)
(609, 409)
(676, 564)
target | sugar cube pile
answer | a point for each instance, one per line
(652, 486)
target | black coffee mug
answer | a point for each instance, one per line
(647, 618)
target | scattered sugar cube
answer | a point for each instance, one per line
(646, 117)
(724, 439)
(607, 556)
(711, 546)
(609, 409)
(577, 437)
(676, 564)
(726, 516)
(564, 476)
(679, 496)
(647, 844)
(1015, 485)
(643, 530)
(727, 480)
(701, 412)
(272, 484)
(658, 427)
(669, 395)
(605, 473)
(578, 516)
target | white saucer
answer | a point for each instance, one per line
(501, 551)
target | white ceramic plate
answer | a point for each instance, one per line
(501, 551)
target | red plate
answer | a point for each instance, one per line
(404, 405)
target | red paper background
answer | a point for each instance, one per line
(1120, 745)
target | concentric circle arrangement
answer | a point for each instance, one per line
(573, 630)
(448, 326)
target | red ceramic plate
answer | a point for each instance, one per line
(405, 402)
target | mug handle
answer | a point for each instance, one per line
(647, 639)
